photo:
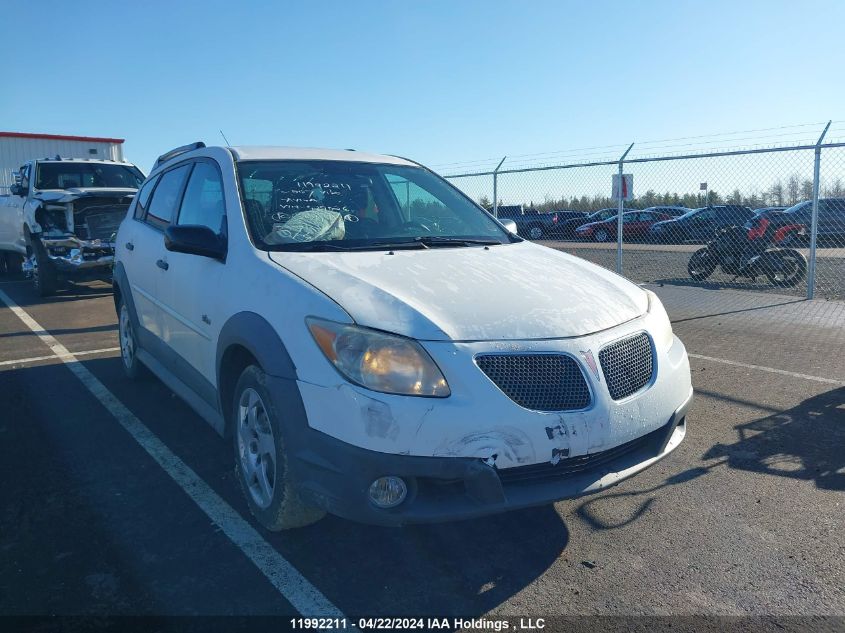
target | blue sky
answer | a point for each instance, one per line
(437, 81)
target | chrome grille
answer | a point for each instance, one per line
(627, 365)
(541, 382)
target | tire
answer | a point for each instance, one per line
(535, 232)
(702, 264)
(797, 270)
(261, 463)
(601, 235)
(128, 340)
(43, 273)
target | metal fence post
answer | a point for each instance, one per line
(496, 188)
(620, 210)
(811, 271)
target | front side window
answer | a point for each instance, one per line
(336, 205)
(203, 201)
(166, 197)
(67, 175)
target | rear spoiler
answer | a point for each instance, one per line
(179, 150)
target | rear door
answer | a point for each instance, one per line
(703, 225)
(147, 256)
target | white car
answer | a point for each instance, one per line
(379, 347)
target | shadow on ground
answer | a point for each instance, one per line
(805, 442)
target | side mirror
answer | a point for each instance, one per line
(510, 226)
(194, 239)
(17, 190)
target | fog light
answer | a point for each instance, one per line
(388, 492)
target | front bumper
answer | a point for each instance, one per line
(335, 475)
(72, 256)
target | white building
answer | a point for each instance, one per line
(18, 147)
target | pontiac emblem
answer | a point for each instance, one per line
(591, 363)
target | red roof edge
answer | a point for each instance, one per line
(61, 137)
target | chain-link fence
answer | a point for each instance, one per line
(770, 220)
(729, 232)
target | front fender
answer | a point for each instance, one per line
(252, 332)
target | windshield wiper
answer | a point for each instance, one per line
(437, 240)
(314, 247)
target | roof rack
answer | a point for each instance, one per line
(179, 150)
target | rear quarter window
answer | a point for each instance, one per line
(143, 197)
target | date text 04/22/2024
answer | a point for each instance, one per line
(423, 624)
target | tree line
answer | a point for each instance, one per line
(779, 194)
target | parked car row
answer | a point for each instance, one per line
(679, 225)
(535, 225)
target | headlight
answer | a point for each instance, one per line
(663, 335)
(379, 361)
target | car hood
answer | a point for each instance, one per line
(509, 292)
(69, 195)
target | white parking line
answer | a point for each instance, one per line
(295, 588)
(771, 370)
(24, 361)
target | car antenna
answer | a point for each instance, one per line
(224, 138)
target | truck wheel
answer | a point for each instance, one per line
(43, 272)
(535, 232)
(261, 461)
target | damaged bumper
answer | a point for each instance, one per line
(71, 255)
(336, 476)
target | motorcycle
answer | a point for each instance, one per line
(751, 253)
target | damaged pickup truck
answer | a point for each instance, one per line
(62, 216)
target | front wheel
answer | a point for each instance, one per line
(788, 270)
(261, 458)
(601, 235)
(43, 272)
(535, 232)
(702, 264)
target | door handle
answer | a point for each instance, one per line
(162, 264)
(130, 246)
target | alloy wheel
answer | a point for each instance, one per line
(127, 339)
(256, 447)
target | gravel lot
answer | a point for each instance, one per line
(745, 518)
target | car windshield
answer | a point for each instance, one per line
(340, 205)
(66, 175)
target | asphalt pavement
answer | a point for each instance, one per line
(745, 518)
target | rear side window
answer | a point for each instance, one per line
(144, 197)
(203, 201)
(166, 197)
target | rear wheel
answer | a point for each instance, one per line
(261, 458)
(128, 344)
(43, 272)
(702, 264)
(791, 269)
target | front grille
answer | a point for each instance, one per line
(541, 382)
(627, 365)
(573, 465)
(101, 226)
